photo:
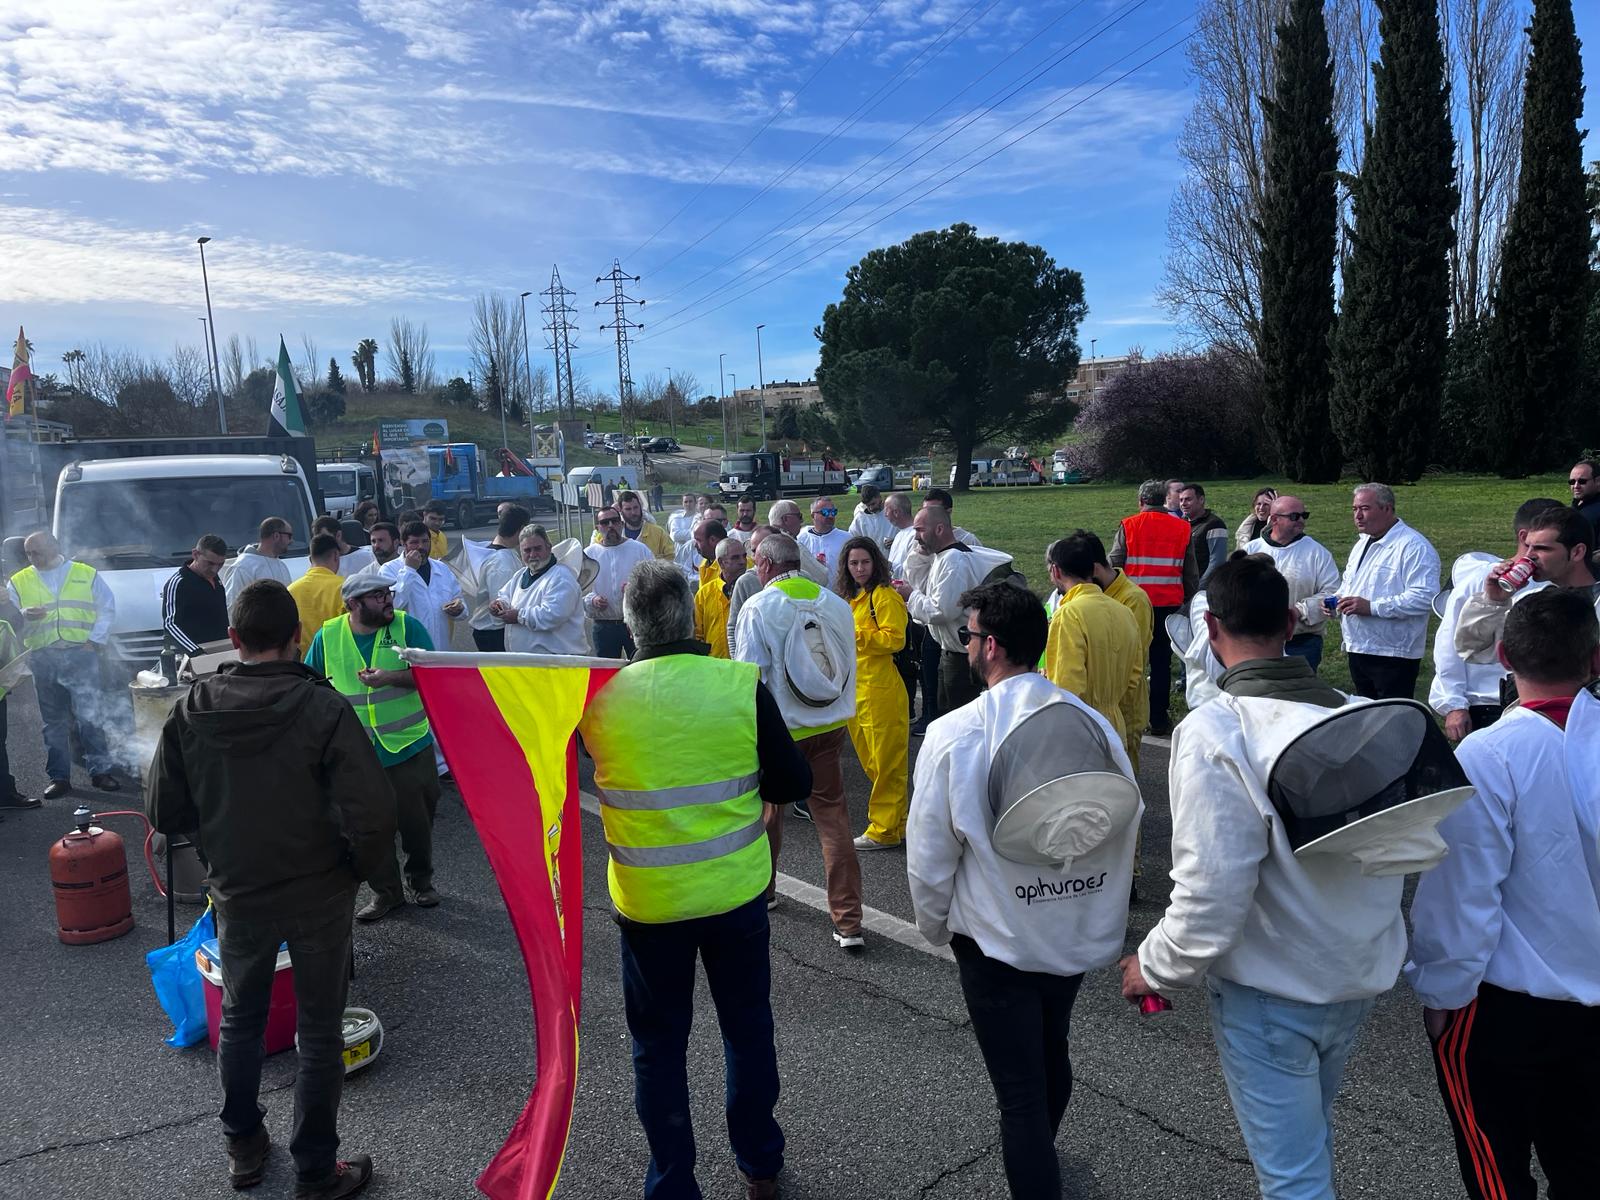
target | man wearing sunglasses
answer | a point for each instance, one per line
(1584, 480)
(617, 556)
(1309, 568)
(824, 541)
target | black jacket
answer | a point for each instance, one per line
(193, 611)
(267, 764)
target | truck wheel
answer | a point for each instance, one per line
(465, 514)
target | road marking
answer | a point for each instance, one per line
(874, 919)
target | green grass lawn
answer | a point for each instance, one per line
(1457, 513)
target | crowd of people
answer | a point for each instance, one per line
(1296, 809)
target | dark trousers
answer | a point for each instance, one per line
(1308, 648)
(416, 797)
(658, 996)
(68, 684)
(956, 684)
(930, 676)
(319, 946)
(7, 780)
(490, 641)
(916, 635)
(1020, 1019)
(1161, 669)
(612, 640)
(1519, 1074)
(1379, 677)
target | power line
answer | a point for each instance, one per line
(622, 325)
(848, 121)
(956, 125)
(767, 124)
(559, 326)
(679, 324)
(891, 171)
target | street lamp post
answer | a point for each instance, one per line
(722, 388)
(672, 415)
(527, 374)
(216, 369)
(733, 386)
(205, 350)
(761, 382)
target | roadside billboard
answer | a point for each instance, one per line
(395, 435)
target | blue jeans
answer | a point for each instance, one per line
(1309, 649)
(319, 947)
(1283, 1061)
(67, 682)
(612, 639)
(658, 995)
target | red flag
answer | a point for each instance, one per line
(506, 721)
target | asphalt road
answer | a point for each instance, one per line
(884, 1090)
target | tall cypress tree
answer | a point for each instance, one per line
(1390, 342)
(1541, 303)
(1298, 229)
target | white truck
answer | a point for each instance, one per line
(135, 520)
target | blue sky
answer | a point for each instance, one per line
(365, 159)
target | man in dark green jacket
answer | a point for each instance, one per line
(267, 766)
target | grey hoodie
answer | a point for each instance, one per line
(268, 766)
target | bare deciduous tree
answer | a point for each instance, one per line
(1214, 261)
(1487, 54)
(495, 338)
(411, 355)
(309, 368)
(233, 368)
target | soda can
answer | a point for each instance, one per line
(1517, 575)
(1329, 603)
(1154, 1003)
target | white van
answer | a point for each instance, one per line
(345, 485)
(136, 520)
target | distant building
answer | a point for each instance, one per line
(785, 391)
(1094, 374)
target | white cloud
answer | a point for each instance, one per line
(432, 29)
(73, 260)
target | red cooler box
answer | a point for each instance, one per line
(281, 1014)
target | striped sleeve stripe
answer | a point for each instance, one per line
(169, 614)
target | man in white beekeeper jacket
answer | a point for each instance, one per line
(1020, 855)
(1386, 597)
(1295, 814)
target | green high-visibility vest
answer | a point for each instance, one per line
(10, 648)
(392, 716)
(68, 617)
(674, 746)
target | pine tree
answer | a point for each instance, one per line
(1298, 229)
(1391, 338)
(335, 377)
(1540, 308)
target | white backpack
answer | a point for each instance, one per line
(818, 664)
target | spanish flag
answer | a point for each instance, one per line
(506, 723)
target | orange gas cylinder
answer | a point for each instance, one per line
(89, 874)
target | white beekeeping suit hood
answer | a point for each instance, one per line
(1055, 790)
(1370, 781)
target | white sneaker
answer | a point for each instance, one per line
(849, 941)
(865, 843)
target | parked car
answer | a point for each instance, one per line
(616, 442)
(878, 476)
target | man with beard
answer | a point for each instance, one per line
(359, 653)
(617, 557)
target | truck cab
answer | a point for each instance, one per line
(345, 485)
(136, 520)
(752, 476)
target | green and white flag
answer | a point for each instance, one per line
(286, 417)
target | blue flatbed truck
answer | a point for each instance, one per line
(458, 475)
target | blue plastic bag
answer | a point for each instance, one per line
(177, 981)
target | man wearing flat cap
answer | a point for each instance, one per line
(359, 653)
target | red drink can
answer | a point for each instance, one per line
(1516, 576)
(1154, 1003)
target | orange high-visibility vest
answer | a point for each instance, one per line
(1156, 543)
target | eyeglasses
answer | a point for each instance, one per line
(382, 597)
(825, 512)
(966, 635)
(609, 521)
(1579, 482)
(1299, 516)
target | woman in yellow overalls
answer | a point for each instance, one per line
(881, 729)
